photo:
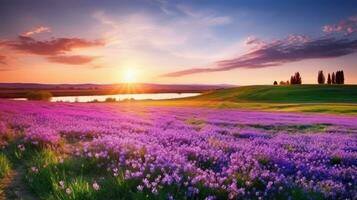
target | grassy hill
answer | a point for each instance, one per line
(328, 99)
(285, 94)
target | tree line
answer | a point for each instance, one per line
(335, 78)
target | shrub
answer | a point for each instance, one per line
(284, 83)
(94, 101)
(39, 95)
(110, 99)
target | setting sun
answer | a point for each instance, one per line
(129, 76)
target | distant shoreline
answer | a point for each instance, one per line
(20, 90)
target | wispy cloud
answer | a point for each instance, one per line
(50, 47)
(36, 30)
(57, 50)
(206, 18)
(278, 52)
(164, 7)
(72, 60)
(347, 26)
(145, 30)
(177, 38)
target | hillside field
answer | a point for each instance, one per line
(286, 94)
(331, 99)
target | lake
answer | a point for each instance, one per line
(121, 97)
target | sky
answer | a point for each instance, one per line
(176, 42)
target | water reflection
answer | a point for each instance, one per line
(120, 97)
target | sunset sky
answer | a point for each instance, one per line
(162, 41)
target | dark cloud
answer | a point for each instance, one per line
(72, 60)
(293, 48)
(347, 26)
(50, 47)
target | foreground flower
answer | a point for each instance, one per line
(245, 155)
(34, 170)
(61, 184)
(140, 187)
(21, 147)
(96, 186)
(68, 191)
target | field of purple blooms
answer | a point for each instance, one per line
(158, 152)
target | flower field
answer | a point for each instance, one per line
(123, 151)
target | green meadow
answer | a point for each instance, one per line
(331, 99)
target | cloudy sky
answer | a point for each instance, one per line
(163, 41)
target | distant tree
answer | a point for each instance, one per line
(298, 78)
(329, 79)
(321, 77)
(287, 82)
(275, 83)
(333, 78)
(340, 77)
(295, 79)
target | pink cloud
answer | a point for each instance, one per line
(39, 29)
(347, 26)
(72, 60)
(51, 47)
(278, 52)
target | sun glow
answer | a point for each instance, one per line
(129, 76)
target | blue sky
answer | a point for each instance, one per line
(176, 41)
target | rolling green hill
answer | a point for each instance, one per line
(285, 94)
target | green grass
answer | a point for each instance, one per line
(297, 128)
(285, 94)
(327, 108)
(5, 165)
(330, 99)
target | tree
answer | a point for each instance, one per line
(321, 77)
(338, 76)
(333, 78)
(295, 79)
(329, 79)
(298, 78)
(275, 83)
